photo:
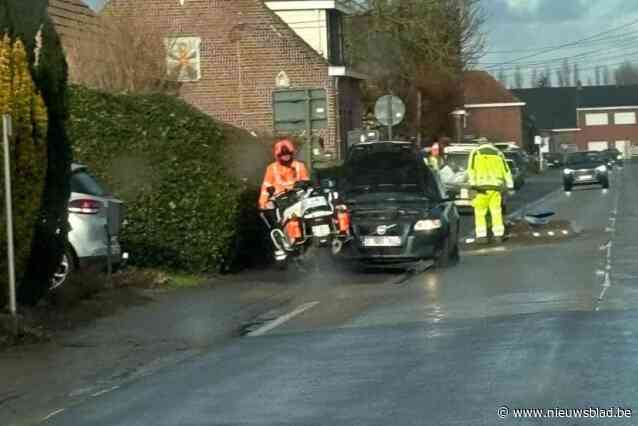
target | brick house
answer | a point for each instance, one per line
(493, 111)
(586, 118)
(231, 57)
(71, 18)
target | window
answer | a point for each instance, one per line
(84, 183)
(625, 118)
(598, 119)
(183, 58)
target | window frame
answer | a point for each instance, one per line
(593, 123)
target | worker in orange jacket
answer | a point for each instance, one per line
(282, 174)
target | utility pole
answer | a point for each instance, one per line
(419, 115)
(6, 133)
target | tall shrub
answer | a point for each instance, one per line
(20, 99)
(28, 20)
(170, 164)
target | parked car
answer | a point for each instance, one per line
(399, 211)
(517, 175)
(90, 206)
(585, 168)
(614, 157)
(554, 159)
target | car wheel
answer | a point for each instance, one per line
(65, 270)
(448, 255)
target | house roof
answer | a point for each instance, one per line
(480, 87)
(555, 107)
(551, 107)
(608, 96)
(70, 17)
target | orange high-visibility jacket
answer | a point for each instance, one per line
(282, 178)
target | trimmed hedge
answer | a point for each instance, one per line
(169, 162)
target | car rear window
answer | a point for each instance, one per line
(83, 183)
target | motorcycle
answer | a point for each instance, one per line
(309, 217)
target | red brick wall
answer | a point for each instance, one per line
(244, 47)
(610, 133)
(497, 124)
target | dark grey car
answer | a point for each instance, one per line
(400, 214)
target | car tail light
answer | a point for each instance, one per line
(85, 206)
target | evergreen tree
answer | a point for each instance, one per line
(28, 150)
(24, 20)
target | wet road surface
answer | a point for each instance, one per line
(550, 326)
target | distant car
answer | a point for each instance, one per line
(585, 168)
(400, 214)
(614, 157)
(554, 159)
(517, 175)
(456, 183)
(89, 206)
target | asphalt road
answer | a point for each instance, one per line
(551, 326)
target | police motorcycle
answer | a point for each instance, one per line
(310, 218)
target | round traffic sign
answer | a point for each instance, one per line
(389, 110)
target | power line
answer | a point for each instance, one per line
(574, 58)
(616, 43)
(562, 46)
(537, 49)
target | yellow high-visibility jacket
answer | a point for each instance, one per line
(487, 167)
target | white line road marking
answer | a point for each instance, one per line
(282, 319)
(54, 413)
(102, 392)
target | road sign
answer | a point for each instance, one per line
(389, 110)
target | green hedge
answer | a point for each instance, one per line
(171, 165)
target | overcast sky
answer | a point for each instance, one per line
(516, 27)
(523, 25)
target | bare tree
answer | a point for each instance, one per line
(576, 75)
(606, 75)
(626, 74)
(566, 72)
(560, 77)
(544, 81)
(548, 75)
(502, 77)
(598, 75)
(417, 46)
(534, 77)
(122, 51)
(518, 78)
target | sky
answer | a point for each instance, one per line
(599, 32)
(532, 34)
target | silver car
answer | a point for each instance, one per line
(91, 210)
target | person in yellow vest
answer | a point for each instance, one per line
(434, 159)
(489, 176)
